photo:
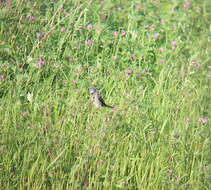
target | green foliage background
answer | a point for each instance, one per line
(52, 137)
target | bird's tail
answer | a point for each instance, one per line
(109, 106)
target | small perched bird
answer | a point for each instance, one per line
(96, 99)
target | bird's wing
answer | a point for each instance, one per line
(102, 101)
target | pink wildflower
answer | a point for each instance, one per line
(129, 71)
(49, 32)
(40, 36)
(2, 77)
(78, 70)
(187, 121)
(152, 27)
(162, 60)
(71, 59)
(116, 34)
(62, 30)
(145, 25)
(89, 42)
(124, 33)
(203, 120)
(89, 27)
(173, 43)
(187, 4)
(8, 3)
(40, 62)
(161, 50)
(195, 63)
(156, 36)
(32, 18)
(133, 57)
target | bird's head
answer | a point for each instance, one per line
(92, 90)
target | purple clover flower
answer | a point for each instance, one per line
(89, 42)
(162, 60)
(32, 18)
(203, 120)
(71, 59)
(187, 4)
(129, 71)
(2, 77)
(173, 43)
(89, 27)
(40, 36)
(62, 30)
(124, 33)
(156, 36)
(40, 62)
(116, 34)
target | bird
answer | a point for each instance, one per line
(96, 99)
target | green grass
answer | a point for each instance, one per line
(52, 137)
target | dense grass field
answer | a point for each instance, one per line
(150, 59)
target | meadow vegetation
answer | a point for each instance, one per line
(148, 58)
